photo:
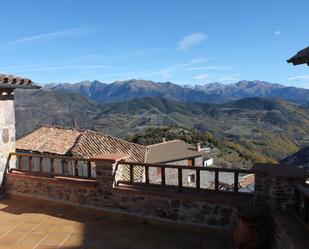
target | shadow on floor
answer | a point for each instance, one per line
(42, 224)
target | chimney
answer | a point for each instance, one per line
(164, 140)
(198, 147)
(75, 124)
(8, 84)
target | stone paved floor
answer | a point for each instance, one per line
(27, 224)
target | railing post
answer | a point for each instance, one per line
(62, 167)
(52, 169)
(198, 179)
(76, 167)
(235, 182)
(19, 162)
(179, 177)
(147, 174)
(105, 166)
(131, 174)
(89, 169)
(162, 176)
(41, 164)
(30, 164)
(216, 180)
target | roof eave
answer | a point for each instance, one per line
(14, 86)
(177, 159)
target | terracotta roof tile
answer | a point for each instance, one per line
(49, 139)
(93, 143)
(83, 144)
(79, 143)
(11, 81)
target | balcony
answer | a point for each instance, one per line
(103, 201)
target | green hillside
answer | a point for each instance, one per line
(267, 128)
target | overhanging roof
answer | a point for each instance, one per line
(302, 57)
(8, 81)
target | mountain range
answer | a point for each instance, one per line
(209, 93)
(271, 128)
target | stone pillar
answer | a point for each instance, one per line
(7, 132)
(273, 185)
(106, 166)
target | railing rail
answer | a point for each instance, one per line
(58, 165)
(302, 201)
(163, 168)
(53, 165)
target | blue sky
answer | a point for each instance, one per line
(182, 41)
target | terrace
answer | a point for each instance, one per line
(66, 210)
(37, 224)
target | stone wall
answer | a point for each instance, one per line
(215, 211)
(273, 186)
(7, 132)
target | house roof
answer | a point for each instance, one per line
(8, 81)
(302, 57)
(79, 143)
(49, 139)
(92, 143)
(170, 151)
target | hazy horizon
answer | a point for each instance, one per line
(197, 84)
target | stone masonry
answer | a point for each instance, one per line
(215, 211)
(7, 132)
(273, 189)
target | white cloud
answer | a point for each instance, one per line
(201, 76)
(277, 32)
(301, 77)
(191, 40)
(51, 35)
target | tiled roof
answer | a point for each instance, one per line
(83, 144)
(171, 151)
(49, 139)
(92, 143)
(80, 143)
(11, 81)
(302, 57)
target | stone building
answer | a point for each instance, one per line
(175, 152)
(8, 83)
(78, 143)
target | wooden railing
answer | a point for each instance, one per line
(145, 179)
(51, 165)
(302, 201)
